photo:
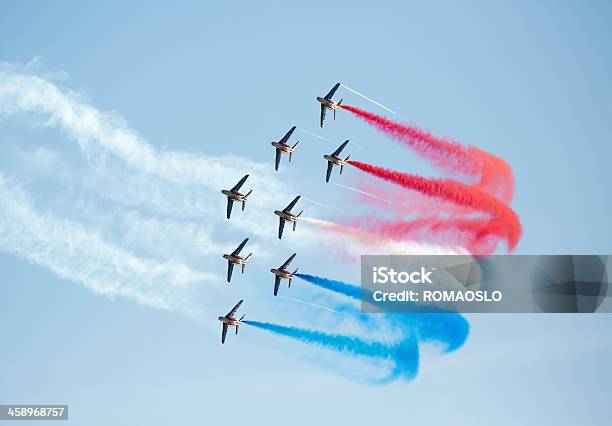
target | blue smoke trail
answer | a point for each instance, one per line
(346, 289)
(404, 354)
(450, 329)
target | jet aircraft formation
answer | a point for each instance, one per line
(234, 195)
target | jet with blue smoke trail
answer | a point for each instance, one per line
(230, 321)
(282, 273)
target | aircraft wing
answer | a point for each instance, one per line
(277, 281)
(240, 183)
(288, 261)
(288, 135)
(230, 269)
(281, 226)
(230, 203)
(332, 91)
(322, 114)
(330, 166)
(224, 333)
(240, 247)
(234, 309)
(340, 148)
(291, 204)
(278, 158)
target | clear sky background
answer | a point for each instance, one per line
(528, 82)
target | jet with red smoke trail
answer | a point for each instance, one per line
(282, 273)
(282, 147)
(286, 216)
(234, 195)
(327, 103)
(334, 160)
(235, 259)
(230, 321)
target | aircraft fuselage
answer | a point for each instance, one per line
(282, 147)
(236, 260)
(282, 273)
(236, 196)
(231, 321)
(328, 103)
(335, 160)
(289, 217)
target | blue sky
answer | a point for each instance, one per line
(527, 82)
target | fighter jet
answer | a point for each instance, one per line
(328, 103)
(283, 274)
(283, 147)
(230, 321)
(236, 259)
(335, 160)
(234, 195)
(287, 216)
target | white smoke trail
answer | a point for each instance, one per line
(368, 99)
(363, 192)
(315, 135)
(308, 303)
(326, 139)
(147, 176)
(78, 254)
(317, 203)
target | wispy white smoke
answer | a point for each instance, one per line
(82, 255)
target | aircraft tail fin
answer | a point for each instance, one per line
(340, 101)
(298, 215)
(296, 144)
(242, 317)
(250, 254)
(237, 329)
(295, 272)
(248, 193)
(289, 283)
(348, 157)
(290, 155)
(243, 265)
(294, 224)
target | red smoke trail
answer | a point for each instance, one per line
(404, 203)
(503, 219)
(494, 174)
